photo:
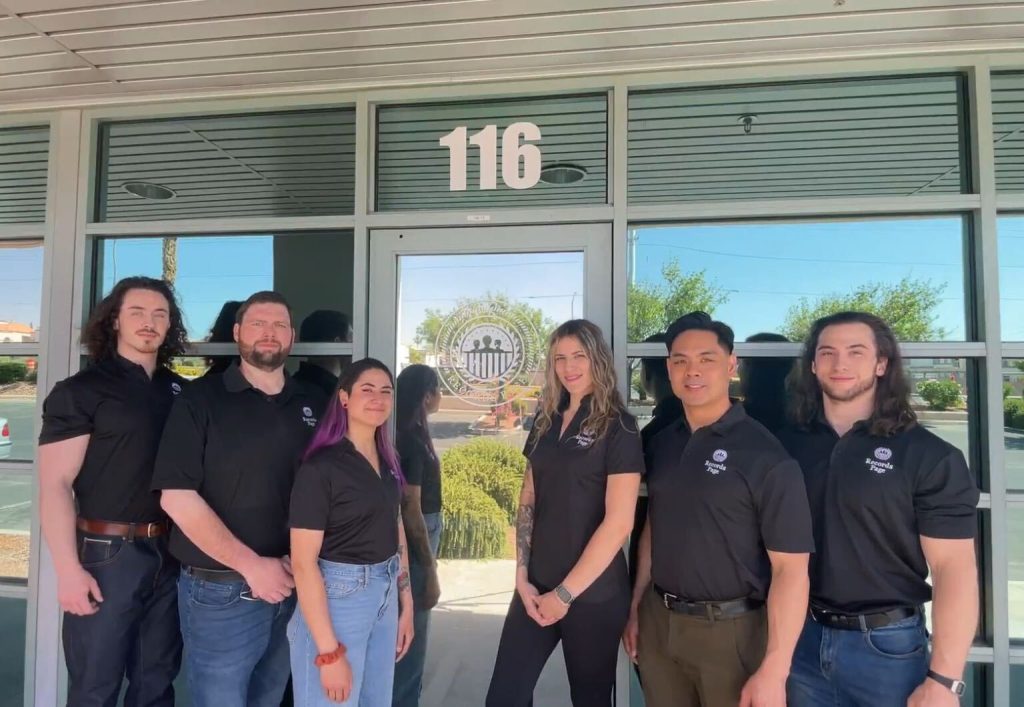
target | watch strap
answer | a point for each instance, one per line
(564, 594)
(955, 686)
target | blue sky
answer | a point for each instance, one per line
(764, 268)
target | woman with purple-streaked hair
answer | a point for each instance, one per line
(348, 550)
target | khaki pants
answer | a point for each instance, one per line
(690, 661)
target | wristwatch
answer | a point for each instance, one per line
(564, 594)
(957, 687)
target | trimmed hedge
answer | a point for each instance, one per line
(490, 465)
(12, 372)
(1013, 413)
(940, 394)
(481, 481)
(474, 525)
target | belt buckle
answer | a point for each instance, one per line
(666, 601)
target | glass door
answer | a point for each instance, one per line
(477, 305)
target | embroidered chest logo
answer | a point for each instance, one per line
(716, 465)
(175, 388)
(880, 463)
(584, 439)
(307, 416)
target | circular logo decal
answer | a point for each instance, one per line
(175, 388)
(720, 455)
(308, 412)
(883, 454)
(483, 348)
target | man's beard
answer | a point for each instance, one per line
(263, 360)
(851, 394)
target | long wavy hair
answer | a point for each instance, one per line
(415, 383)
(100, 335)
(892, 413)
(334, 422)
(606, 403)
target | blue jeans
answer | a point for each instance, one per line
(363, 604)
(875, 668)
(236, 652)
(409, 671)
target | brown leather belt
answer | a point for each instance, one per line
(128, 531)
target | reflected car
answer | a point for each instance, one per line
(5, 438)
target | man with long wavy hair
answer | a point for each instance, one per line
(891, 502)
(104, 527)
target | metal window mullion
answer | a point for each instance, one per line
(224, 226)
(23, 232)
(986, 293)
(30, 348)
(364, 190)
(1010, 202)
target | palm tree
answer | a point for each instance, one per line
(170, 259)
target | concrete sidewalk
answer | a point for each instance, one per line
(464, 632)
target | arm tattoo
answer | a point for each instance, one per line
(524, 534)
(403, 581)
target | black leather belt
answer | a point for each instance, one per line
(710, 610)
(862, 622)
(221, 576)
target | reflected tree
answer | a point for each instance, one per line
(908, 306)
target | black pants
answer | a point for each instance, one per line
(134, 634)
(590, 635)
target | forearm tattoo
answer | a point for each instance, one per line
(403, 581)
(524, 534)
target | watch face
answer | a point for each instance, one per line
(959, 687)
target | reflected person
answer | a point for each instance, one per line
(576, 506)
(419, 395)
(763, 384)
(222, 332)
(324, 326)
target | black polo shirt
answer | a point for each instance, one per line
(123, 411)
(570, 477)
(872, 498)
(239, 448)
(337, 491)
(421, 468)
(720, 498)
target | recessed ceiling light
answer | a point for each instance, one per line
(146, 190)
(562, 174)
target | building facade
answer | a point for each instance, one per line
(454, 180)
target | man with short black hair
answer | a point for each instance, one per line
(891, 503)
(728, 531)
(104, 526)
(225, 468)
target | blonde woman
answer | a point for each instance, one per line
(575, 512)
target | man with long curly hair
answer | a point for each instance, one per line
(104, 527)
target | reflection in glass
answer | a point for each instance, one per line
(15, 524)
(779, 277)
(482, 322)
(1015, 553)
(21, 287)
(1011, 277)
(312, 270)
(1013, 422)
(413, 168)
(856, 137)
(17, 407)
(12, 650)
(24, 158)
(264, 164)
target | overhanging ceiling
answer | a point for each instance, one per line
(68, 51)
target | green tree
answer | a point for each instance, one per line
(652, 306)
(908, 306)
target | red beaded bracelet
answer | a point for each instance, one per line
(332, 657)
